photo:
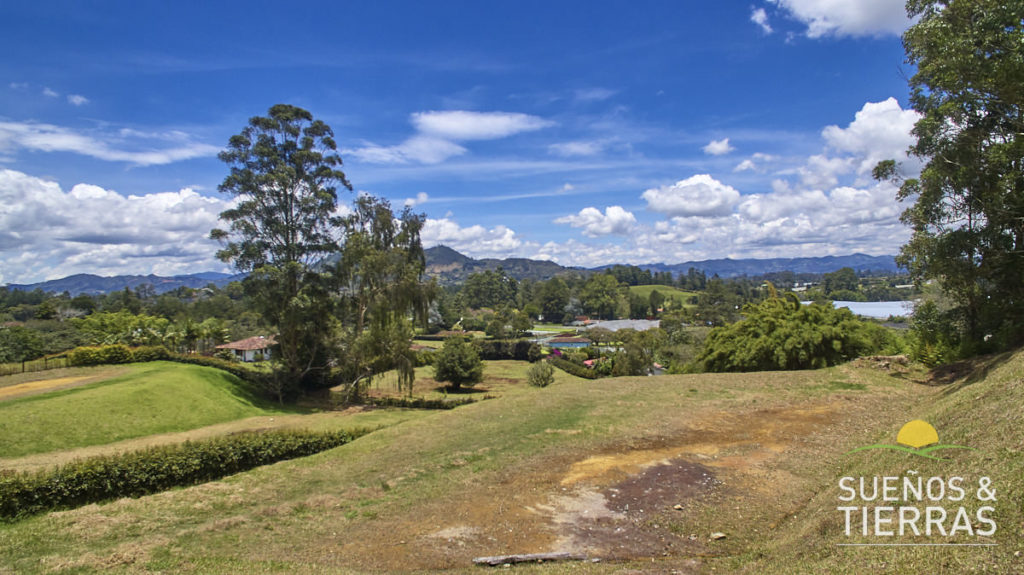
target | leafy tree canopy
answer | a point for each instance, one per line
(285, 173)
(782, 334)
(968, 203)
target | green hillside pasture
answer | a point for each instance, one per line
(145, 399)
(668, 291)
(435, 491)
(981, 410)
(501, 378)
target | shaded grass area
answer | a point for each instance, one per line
(140, 400)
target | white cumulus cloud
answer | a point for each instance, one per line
(718, 147)
(879, 131)
(46, 232)
(421, 198)
(77, 100)
(847, 17)
(474, 241)
(760, 17)
(614, 220)
(699, 195)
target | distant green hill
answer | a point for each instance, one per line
(667, 291)
(451, 268)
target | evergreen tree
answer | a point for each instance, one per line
(285, 174)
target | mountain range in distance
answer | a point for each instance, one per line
(451, 267)
(97, 285)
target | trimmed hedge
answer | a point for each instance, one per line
(115, 354)
(240, 370)
(420, 402)
(100, 355)
(519, 349)
(156, 469)
(573, 368)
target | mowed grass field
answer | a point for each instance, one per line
(136, 400)
(667, 291)
(529, 471)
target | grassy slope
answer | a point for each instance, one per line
(667, 291)
(151, 398)
(264, 520)
(501, 378)
(981, 410)
(295, 516)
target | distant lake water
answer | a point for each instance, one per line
(879, 309)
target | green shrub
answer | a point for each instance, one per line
(540, 374)
(782, 334)
(572, 368)
(150, 353)
(156, 469)
(518, 349)
(419, 402)
(458, 363)
(423, 358)
(101, 355)
(238, 369)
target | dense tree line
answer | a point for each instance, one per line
(35, 324)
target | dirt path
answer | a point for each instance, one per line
(42, 382)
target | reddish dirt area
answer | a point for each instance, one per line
(628, 502)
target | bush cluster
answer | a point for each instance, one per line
(100, 355)
(782, 334)
(518, 349)
(423, 358)
(240, 370)
(115, 354)
(573, 368)
(419, 402)
(541, 374)
(156, 469)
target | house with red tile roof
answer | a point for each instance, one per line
(251, 349)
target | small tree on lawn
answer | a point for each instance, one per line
(458, 363)
(541, 374)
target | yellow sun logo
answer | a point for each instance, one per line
(917, 437)
(917, 434)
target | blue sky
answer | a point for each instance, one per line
(582, 132)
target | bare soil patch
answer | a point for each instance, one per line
(42, 384)
(631, 501)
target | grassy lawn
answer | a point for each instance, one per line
(136, 400)
(667, 291)
(500, 378)
(506, 476)
(552, 327)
